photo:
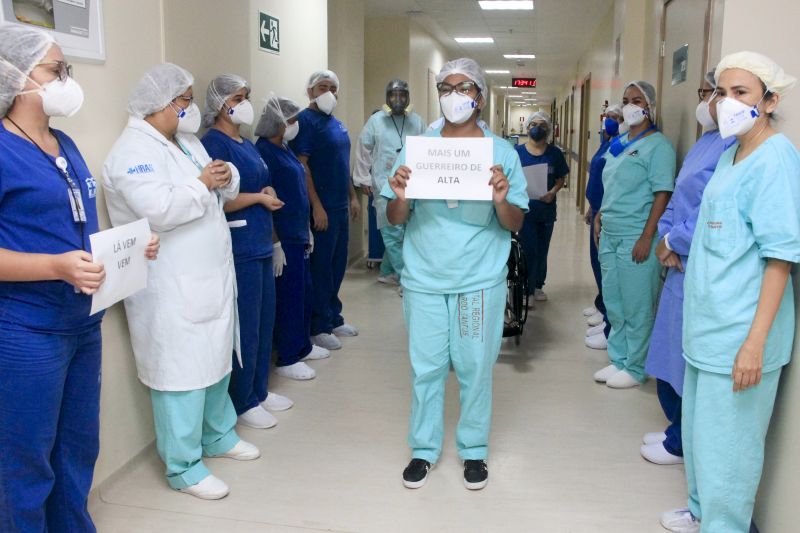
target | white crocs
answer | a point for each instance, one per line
(317, 352)
(243, 451)
(345, 330)
(327, 341)
(299, 371)
(276, 402)
(257, 418)
(602, 375)
(622, 380)
(209, 488)
(680, 521)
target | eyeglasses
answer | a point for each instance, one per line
(702, 94)
(63, 69)
(188, 99)
(465, 87)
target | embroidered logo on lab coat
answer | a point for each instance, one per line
(91, 186)
(141, 169)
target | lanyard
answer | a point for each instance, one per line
(399, 131)
(631, 141)
(188, 154)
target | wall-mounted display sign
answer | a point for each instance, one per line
(77, 25)
(269, 33)
(523, 82)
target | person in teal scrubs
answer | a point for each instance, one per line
(455, 255)
(738, 309)
(638, 179)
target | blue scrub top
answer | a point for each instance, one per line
(750, 213)
(594, 188)
(36, 217)
(289, 180)
(556, 168)
(251, 227)
(454, 250)
(324, 140)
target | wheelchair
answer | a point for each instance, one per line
(516, 312)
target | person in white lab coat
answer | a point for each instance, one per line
(184, 325)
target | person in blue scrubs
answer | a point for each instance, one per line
(454, 282)
(276, 127)
(49, 344)
(665, 357)
(323, 147)
(638, 179)
(249, 217)
(739, 317)
(597, 334)
(538, 154)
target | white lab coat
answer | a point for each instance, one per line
(184, 325)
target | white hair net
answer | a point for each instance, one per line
(466, 66)
(769, 72)
(219, 90)
(614, 108)
(648, 91)
(158, 87)
(21, 49)
(277, 112)
(539, 115)
(320, 75)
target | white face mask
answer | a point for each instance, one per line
(242, 113)
(457, 108)
(633, 114)
(291, 131)
(704, 117)
(59, 98)
(735, 117)
(189, 119)
(326, 102)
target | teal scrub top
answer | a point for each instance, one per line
(458, 247)
(750, 213)
(630, 181)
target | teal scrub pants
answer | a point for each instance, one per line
(465, 330)
(723, 446)
(190, 425)
(630, 293)
(393, 244)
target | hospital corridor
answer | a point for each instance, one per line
(399, 266)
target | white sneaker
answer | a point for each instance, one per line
(257, 418)
(680, 521)
(317, 352)
(589, 311)
(597, 342)
(209, 488)
(658, 454)
(243, 451)
(276, 402)
(539, 295)
(622, 380)
(594, 330)
(327, 341)
(602, 375)
(345, 330)
(596, 319)
(654, 437)
(391, 279)
(299, 371)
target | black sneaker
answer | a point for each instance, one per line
(476, 474)
(416, 473)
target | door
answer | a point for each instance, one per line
(684, 62)
(583, 144)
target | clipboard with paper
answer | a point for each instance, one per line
(536, 177)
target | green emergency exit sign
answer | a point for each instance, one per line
(269, 33)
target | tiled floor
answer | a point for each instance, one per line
(564, 452)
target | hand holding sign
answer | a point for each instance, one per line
(399, 181)
(499, 183)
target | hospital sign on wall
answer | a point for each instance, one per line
(269, 33)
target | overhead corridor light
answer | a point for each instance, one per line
(497, 71)
(514, 96)
(519, 56)
(474, 40)
(528, 92)
(526, 5)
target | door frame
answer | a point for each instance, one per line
(583, 143)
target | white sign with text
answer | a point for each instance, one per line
(445, 168)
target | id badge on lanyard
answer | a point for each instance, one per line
(74, 192)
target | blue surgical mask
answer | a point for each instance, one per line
(611, 126)
(538, 133)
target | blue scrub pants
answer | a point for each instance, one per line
(256, 301)
(630, 292)
(535, 237)
(595, 261)
(328, 264)
(393, 240)
(671, 404)
(465, 330)
(49, 428)
(723, 445)
(375, 247)
(293, 307)
(190, 425)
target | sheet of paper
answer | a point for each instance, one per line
(121, 251)
(536, 176)
(449, 168)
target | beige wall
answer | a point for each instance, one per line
(386, 57)
(427, 54)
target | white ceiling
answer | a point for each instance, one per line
(558, 32)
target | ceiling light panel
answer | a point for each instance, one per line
(474, 40)
(497, 71)
(519, 56)
(526, 5)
